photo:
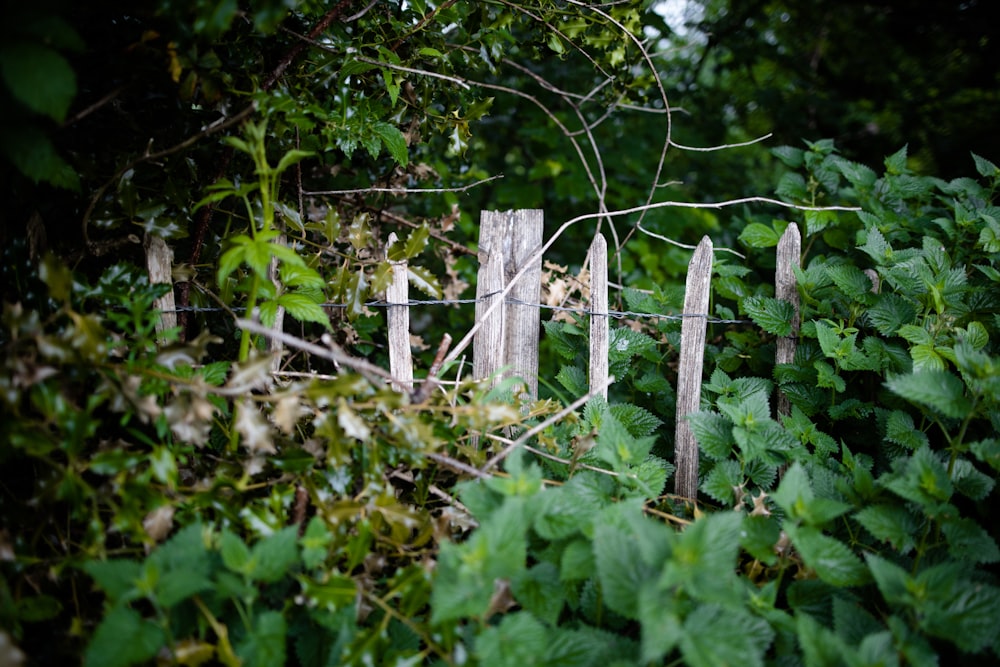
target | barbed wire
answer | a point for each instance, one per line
(614, 314)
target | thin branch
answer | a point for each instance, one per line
(682, 245)
(532, 432)
(723, 147)
(331, 353)
(361, 191)
(411, 70)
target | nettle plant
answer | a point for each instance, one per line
(855, 529)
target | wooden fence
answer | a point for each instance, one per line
(506, 341)
(506, 336)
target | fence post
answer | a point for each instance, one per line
(789, 254)
(159, 259)
(397, 295)
(599, 328)
(507, 240)
(689, 374)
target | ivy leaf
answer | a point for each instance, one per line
(936, 389)
(772, 315)
(831, 560)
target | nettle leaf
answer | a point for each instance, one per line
(796, 497)
(987, 451)
(624, 344)
(639, 421)
(893, 581)
(519, 639)
(968, 541)
(985, 168)
(573, 379)
(852, 281)
(890, 313)
(304, 308)
(900, 429)
(723, 480)
(713, 432)
(831, 560)
(715, 635)
(540, 592)
(936, 389)
(759, 536)
(116, 576)
(274, 556)
(265, 644)
(703, 559)
(969, 618)
(921, 478)
(628, 555)
(772, 315)
(758, 235)
(969, 481)
(38, 76)
(123, 638)
(393, 140)
(890, 523)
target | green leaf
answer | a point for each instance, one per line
(628, 553)
(890, 523)
(900, 429)
(713, 432)
(573, 379)
(985, 168)
(723, 480)
(30, 150)
(852, 281)
(715, 636)
(892, 581)
(235, 553)
(896, 163)
(831, 560)
(117, 577)
(182, 565)
(920, 478)
(987, 451)
(273, 557)
(758, 235)
(639, 421)
(796, 497)
(315, 543)
(290, 158)
(394, 141)
(969, 619)
(123, 638)
(759, 537)
(265, 645)
(425, 281)
(39, 77)
(539, 591)
(703, 559)
(520, 639)
(772, 315)
(968, 541)
(936, 389)
(303, 308)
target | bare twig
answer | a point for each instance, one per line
(400, 191)
(532, 432)
(723, 147)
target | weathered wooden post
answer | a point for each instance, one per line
(599, 325)
(789, 254)
(397, 295)
(689, 375)
(159, 262)
(509, 337)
